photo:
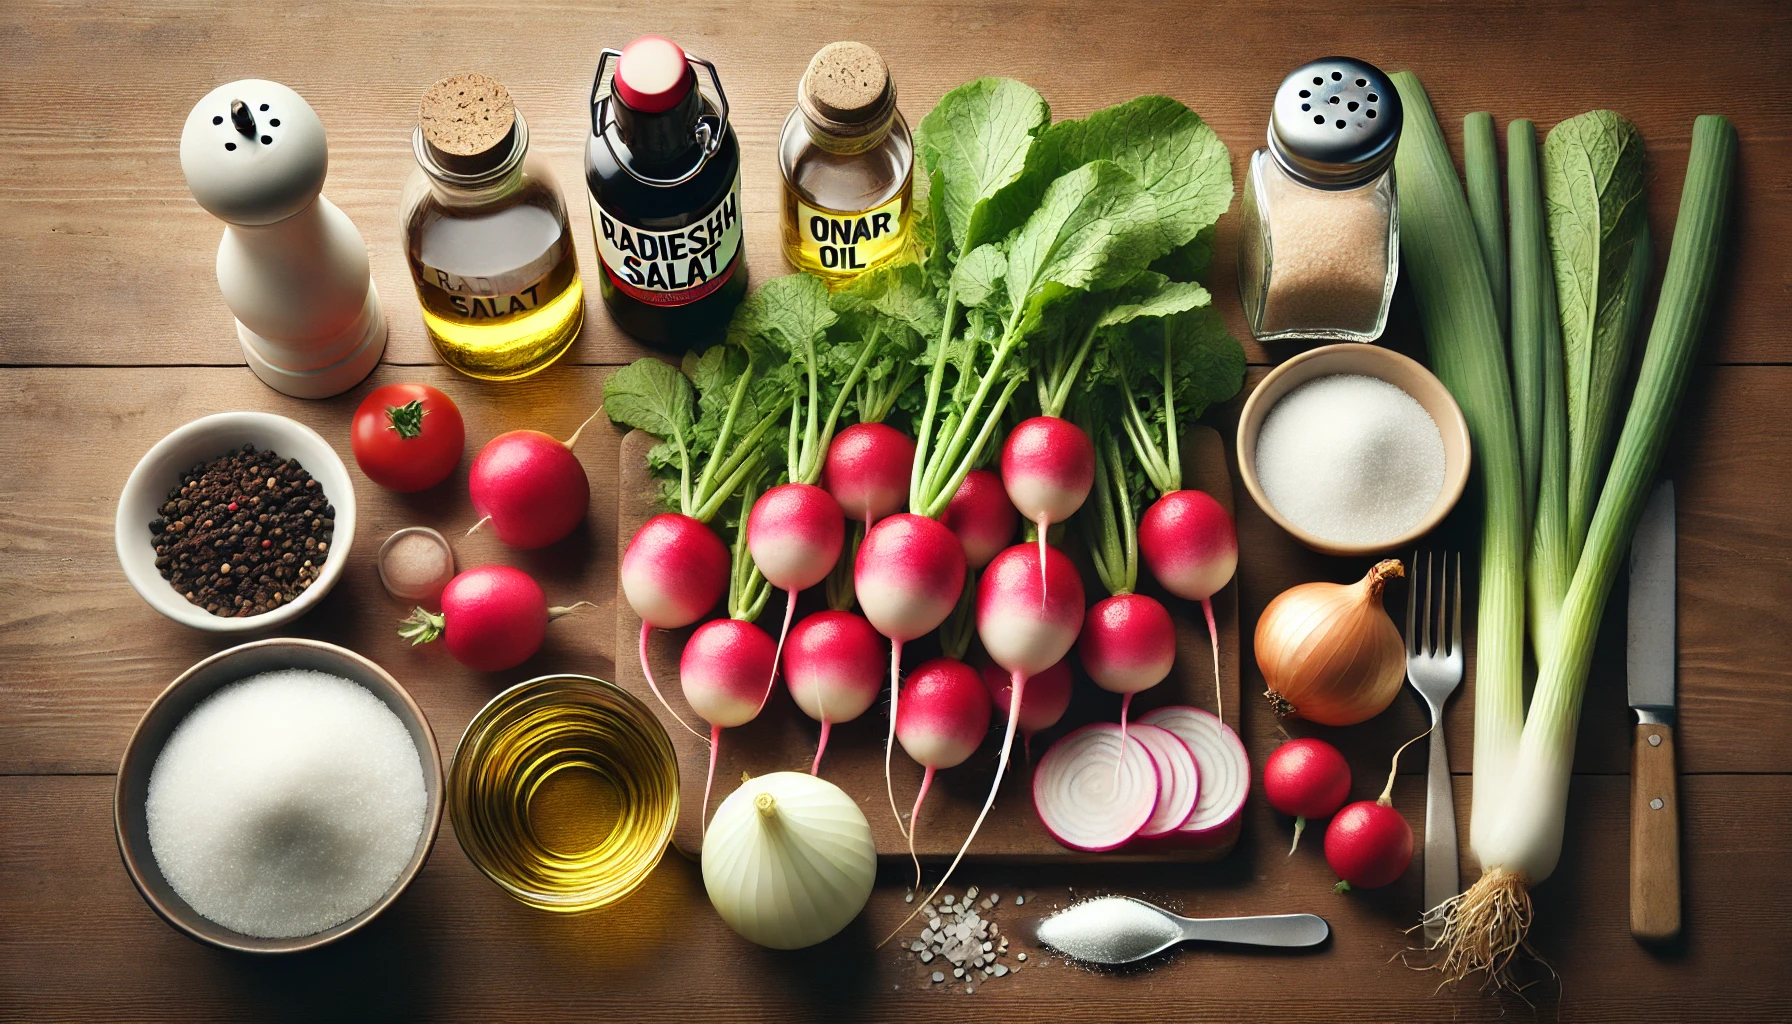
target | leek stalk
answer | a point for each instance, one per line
(1481, 171)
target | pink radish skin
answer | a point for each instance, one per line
(1190, 544)
(1307, 778)
(531, 487)
(1178, 779)
(834, 666)
(673, 573)
(723, 672)
(867, 470)
(1128, 644)
(982, 517)
(1047, 698)
(909, 573)
(1085, 804)
(1048, 468)
(494, 617)
(794, 533)
(1225, 770)
(944, 718)
(1369, 844)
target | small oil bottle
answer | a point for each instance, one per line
(848, 164)
(487, 237)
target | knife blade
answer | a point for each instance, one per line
(1650, 667)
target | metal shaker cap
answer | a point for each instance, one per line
(1336, 123)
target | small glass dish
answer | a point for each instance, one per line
(520, 741)
(396, 588)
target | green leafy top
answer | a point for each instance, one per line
(1593, 179)
(974, 143)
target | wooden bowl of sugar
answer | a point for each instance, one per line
(1354, 449)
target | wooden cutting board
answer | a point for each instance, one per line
(782, 738)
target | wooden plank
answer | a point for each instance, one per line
(79, 944)
(111, 261)
(783, 738)
(84, 655)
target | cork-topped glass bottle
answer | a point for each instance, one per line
(487, 237)
(1319, 238)
(848, 164)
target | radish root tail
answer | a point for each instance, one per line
(574, 439)
(651, 685)
(778, 655)
(715, 745)
(914, 821)
(1125, 703)
(1019, 684)
(890, 742)
(1213, 637)
(1040, 527)
(820, 747)
(471, 530)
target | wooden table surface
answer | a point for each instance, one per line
(112, 333)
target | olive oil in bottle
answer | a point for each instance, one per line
(487, 237)
(848, 164)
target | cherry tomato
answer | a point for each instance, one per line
(408, 437)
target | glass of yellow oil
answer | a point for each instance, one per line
(487, 237)
(848, 164)
(564, 791)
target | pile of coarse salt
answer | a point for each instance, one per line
(1350, 458)
(959, 932)
(286, 803)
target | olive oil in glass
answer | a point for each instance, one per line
(848, 164)
(487, 238)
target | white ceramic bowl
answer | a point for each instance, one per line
(207, 438)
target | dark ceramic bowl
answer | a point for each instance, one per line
(200, 682)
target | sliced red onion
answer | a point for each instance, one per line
(1178, 778)
(1082, 801)
(1225, 771)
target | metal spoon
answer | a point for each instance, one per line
(1114, 930)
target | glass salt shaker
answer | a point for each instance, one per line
(1319, 246)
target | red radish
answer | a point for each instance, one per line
(1225, 771)
(1368, 843)
(1047, 698)
(1029, 609)
(1178, 779)
(1085, 804)
(1128, 644)
(908, 575)
(530, 487)
(834, 667)
(794, 533)
(1307, 778)
(723, 672)
(1189, 543)
(673, 573)
(944, 718)
(1048, 468)
(867, 470)
(982, 517)
(492, 618)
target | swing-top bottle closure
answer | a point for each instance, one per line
(656, 76)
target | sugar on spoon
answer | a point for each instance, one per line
(1120, 930)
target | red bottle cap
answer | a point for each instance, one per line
(653, 76)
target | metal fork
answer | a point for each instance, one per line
(1434, 668)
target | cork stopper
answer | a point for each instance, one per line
(847, 90)
(468, 122)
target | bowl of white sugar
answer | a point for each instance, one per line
(278, 796)
(1354, 449)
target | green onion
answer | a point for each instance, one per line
(1481, 167)
(1443, 258)
(1538, 388)
(1487, 923)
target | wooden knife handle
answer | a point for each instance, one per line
(1654, 836)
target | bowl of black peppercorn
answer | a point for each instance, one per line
(236, 522)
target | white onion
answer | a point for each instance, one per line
(1225, 772)
(1178, 778)
(1082, 801)
(788, 860)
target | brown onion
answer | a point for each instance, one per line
(1329, 652)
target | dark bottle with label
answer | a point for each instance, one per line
(662, 167)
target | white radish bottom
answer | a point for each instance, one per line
(1178, 778)
(1225, 773)
(1080, 798)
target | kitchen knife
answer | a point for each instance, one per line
(1650, 662)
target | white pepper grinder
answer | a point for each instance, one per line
(292, 266)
